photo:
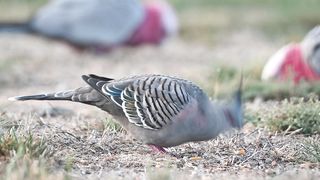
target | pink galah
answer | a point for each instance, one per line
(160, 22)
(296, 61)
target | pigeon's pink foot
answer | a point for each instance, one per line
(157, 149)
(161, 150)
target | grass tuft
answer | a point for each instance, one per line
(311, 150)
(298, 115)
(21, 145)
(23, 155)
(112, 125)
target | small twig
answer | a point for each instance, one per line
(251, 132)
(296, 131)
(288, 129)
(68, 133)
(252, 155)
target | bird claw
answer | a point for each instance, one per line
(161, 150)
(157, 149)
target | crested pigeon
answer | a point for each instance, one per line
(161, 111)
(297, 61)
(101, 24)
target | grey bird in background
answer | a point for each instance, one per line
(161, 111)
(100, 23)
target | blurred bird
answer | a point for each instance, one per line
(101, 24)
(161, 111)
(296, 61)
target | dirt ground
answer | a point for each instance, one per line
(31, 65)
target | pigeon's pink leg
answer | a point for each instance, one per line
(157, 149)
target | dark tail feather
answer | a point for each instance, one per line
(15, 27)
(96, 82)
(65, 95)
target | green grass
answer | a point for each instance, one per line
(295, 115)
(10, 142)
(23, 155)
(311, 151)
(112, 125)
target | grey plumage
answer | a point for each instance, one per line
(84, 23)
(159, 110)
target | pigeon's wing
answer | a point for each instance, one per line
(151, 102)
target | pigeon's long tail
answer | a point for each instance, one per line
(15, 27)
(64, 96)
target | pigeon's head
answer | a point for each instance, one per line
(229, 115)
(234, 111)
(237, 110)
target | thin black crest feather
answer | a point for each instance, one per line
(100, 77)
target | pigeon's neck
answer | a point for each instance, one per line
(220, 118)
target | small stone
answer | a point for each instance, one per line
(241, 152)
(270, 172)
(308, 165)
(85, 172)
(268, 161)
(195, 158)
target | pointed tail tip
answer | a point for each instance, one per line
(13, 98)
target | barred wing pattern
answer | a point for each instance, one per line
(147, 101)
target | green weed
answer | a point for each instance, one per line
(311, 151)
(299, 115)
(112, 125)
